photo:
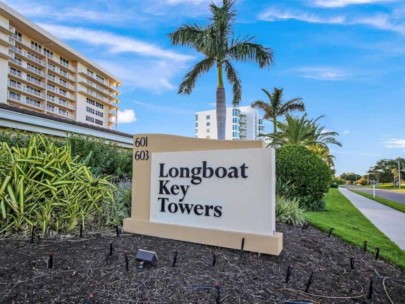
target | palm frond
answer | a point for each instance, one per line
(191, 77)
(248, 51)
(233, 78)
(188, 35)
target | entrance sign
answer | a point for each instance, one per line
(205, 191)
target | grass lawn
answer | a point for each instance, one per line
(351, 226)
(390, 186)
(384, 201)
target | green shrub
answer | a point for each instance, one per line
(42, 185)
(119, 209)
(306, 174)
(288, 211)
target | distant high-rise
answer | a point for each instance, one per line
(242, 123)
(41, 73)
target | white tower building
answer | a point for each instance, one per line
(242, 123)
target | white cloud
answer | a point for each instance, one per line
(274, 14)
(395, 143)
(343, 3)
(152, 75)
(392, 23)
(345, 132)
(114, 43)
(164, 109)
(323, 73)
(126, 116)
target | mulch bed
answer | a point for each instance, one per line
(84, 266)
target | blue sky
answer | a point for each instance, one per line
(345, 58)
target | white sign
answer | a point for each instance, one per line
(230, 190)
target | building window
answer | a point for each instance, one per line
(36, 46)
(63, 82)
(18, 36)
(90, 101)
(234, 134)
(32, 90)
(33, 102)
(207, 117)
(64, 62)
(196, 124)
(99, 78)
(51, 77)
(63, 112)
(208, 123)
(50, 97)
(48, 53)
(51, 67)
(98, 113)
(34, 69)
(196, 116)
(89, 118)
(99, 122)
(34, 79)
(50, 108)
(15, 72)
(63, 92)
(15, 84)
(90, 110)
(14, 95)
(99, 105)
(235, 120)
(235, 127)
(235, 112)
(208, 130)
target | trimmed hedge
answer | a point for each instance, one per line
(307, 176)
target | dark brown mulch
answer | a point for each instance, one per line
(83, 266)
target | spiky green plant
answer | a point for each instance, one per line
(42, 185)
(288, 211)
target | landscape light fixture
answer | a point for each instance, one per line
(144, 257)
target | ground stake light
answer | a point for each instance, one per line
(214, 259)
(377, 253)
(309, 281)
(287, 277)
(81, 231)
(330, 231)
(242, 248)
(365, 246)
(174, 259)
(32, 235)
(50, 260)
(217, 287)
(126, 261)
(370, 290)
(111, 249)
(351, 263)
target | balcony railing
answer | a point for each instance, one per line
(27, 55)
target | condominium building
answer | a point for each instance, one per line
(41, 73)
(242, 123)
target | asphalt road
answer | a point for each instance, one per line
(398, 197)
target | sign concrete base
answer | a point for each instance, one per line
(267, 244)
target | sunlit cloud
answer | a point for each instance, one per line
(126, 116)
(395, 143)
(343, 3)
(276, 14)
(323, 73)
(164, 109)
(345, 132)
(114, 43)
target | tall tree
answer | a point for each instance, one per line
(219, 47)
(275, 106)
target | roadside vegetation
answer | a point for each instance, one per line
(351, 226)
(384, 201)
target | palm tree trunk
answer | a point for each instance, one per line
(221, 113)
(274, 126)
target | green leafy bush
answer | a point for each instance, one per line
(306, 174)
(42, 185)
(288, 211)
(119, 209)
(103, 157)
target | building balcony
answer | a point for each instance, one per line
(93, 94)
(62, 65)
(93, 76)
(5, 28)
(60, 102)
(60, 92)
(94, 86)
(60, 82)
(26, 90)
(28, 56)
(22, 100)
(23, 65)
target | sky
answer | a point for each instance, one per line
(344, 58)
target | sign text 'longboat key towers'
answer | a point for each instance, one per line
(204, 191)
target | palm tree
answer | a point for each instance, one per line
(215, 41)
(275, 107)
(305, 132)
